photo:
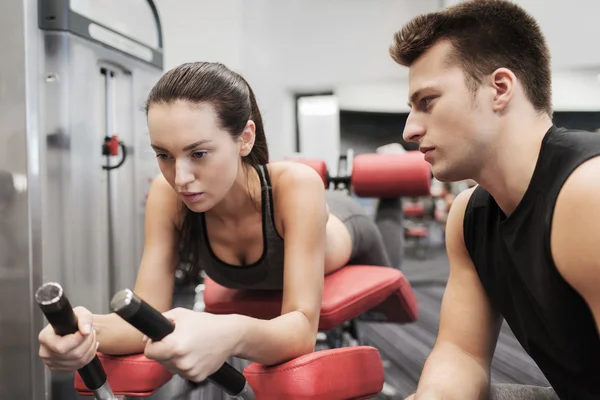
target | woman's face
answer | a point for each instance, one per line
(198, 158)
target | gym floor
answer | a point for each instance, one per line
(404, 348)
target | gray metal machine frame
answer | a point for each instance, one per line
(59, 209)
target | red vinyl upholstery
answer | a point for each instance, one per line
(345, 373)
(391, 175)
(132, 375)
(348, 293)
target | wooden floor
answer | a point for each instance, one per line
(405, 347)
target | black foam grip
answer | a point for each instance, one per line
(156, 326)
(64, 322)
(93, 374)
(150, 322)
(229, 379)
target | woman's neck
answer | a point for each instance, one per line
(242, 199)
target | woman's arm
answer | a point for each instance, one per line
(202, 342)
(156, 276)
(301, 205)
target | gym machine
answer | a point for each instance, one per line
(75, 163)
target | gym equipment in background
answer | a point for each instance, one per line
(390, 177)
(377, 175)
(75, 77)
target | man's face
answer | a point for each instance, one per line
(452, 125)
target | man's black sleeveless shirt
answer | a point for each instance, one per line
(513, 259)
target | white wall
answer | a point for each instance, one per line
(572, 90)
(202, 30)
(319, 43)
(294, 46)
(576, 90)
(388, 96)
(575, 62)
(571, 28)
(283, 48)
(315, 45)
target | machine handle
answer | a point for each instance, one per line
(58, 311)
(111, 148)
(156, 326)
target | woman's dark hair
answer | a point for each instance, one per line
(233, 100)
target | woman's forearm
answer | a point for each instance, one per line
(266, 342)
(274, 341)
(116, 336)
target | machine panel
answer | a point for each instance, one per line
(64, 216)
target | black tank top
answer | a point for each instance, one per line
(512, 256)
(267, 272)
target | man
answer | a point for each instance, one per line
(525, 243)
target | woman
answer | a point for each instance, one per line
(220, 206)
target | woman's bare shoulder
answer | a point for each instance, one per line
(285, 173)
(163, 200)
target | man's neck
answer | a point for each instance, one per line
(511, 164)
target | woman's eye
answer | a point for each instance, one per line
(162, 156)
(199, 154)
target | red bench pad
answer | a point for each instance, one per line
(132, 375)
(348, 293)
(345, 373)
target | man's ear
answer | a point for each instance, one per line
(247, 138)
(504, 83)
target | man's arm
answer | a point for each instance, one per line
(575, 235)
(459, 364)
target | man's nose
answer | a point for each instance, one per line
(413, 130)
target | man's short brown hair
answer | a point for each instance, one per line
(485, 35)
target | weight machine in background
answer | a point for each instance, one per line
(75, 76)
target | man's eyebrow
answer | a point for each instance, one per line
(415, 96)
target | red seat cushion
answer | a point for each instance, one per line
(345, 373)
(348, 293)
(417, 231)
(391, 175)
(414, 210)
(132, 375)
